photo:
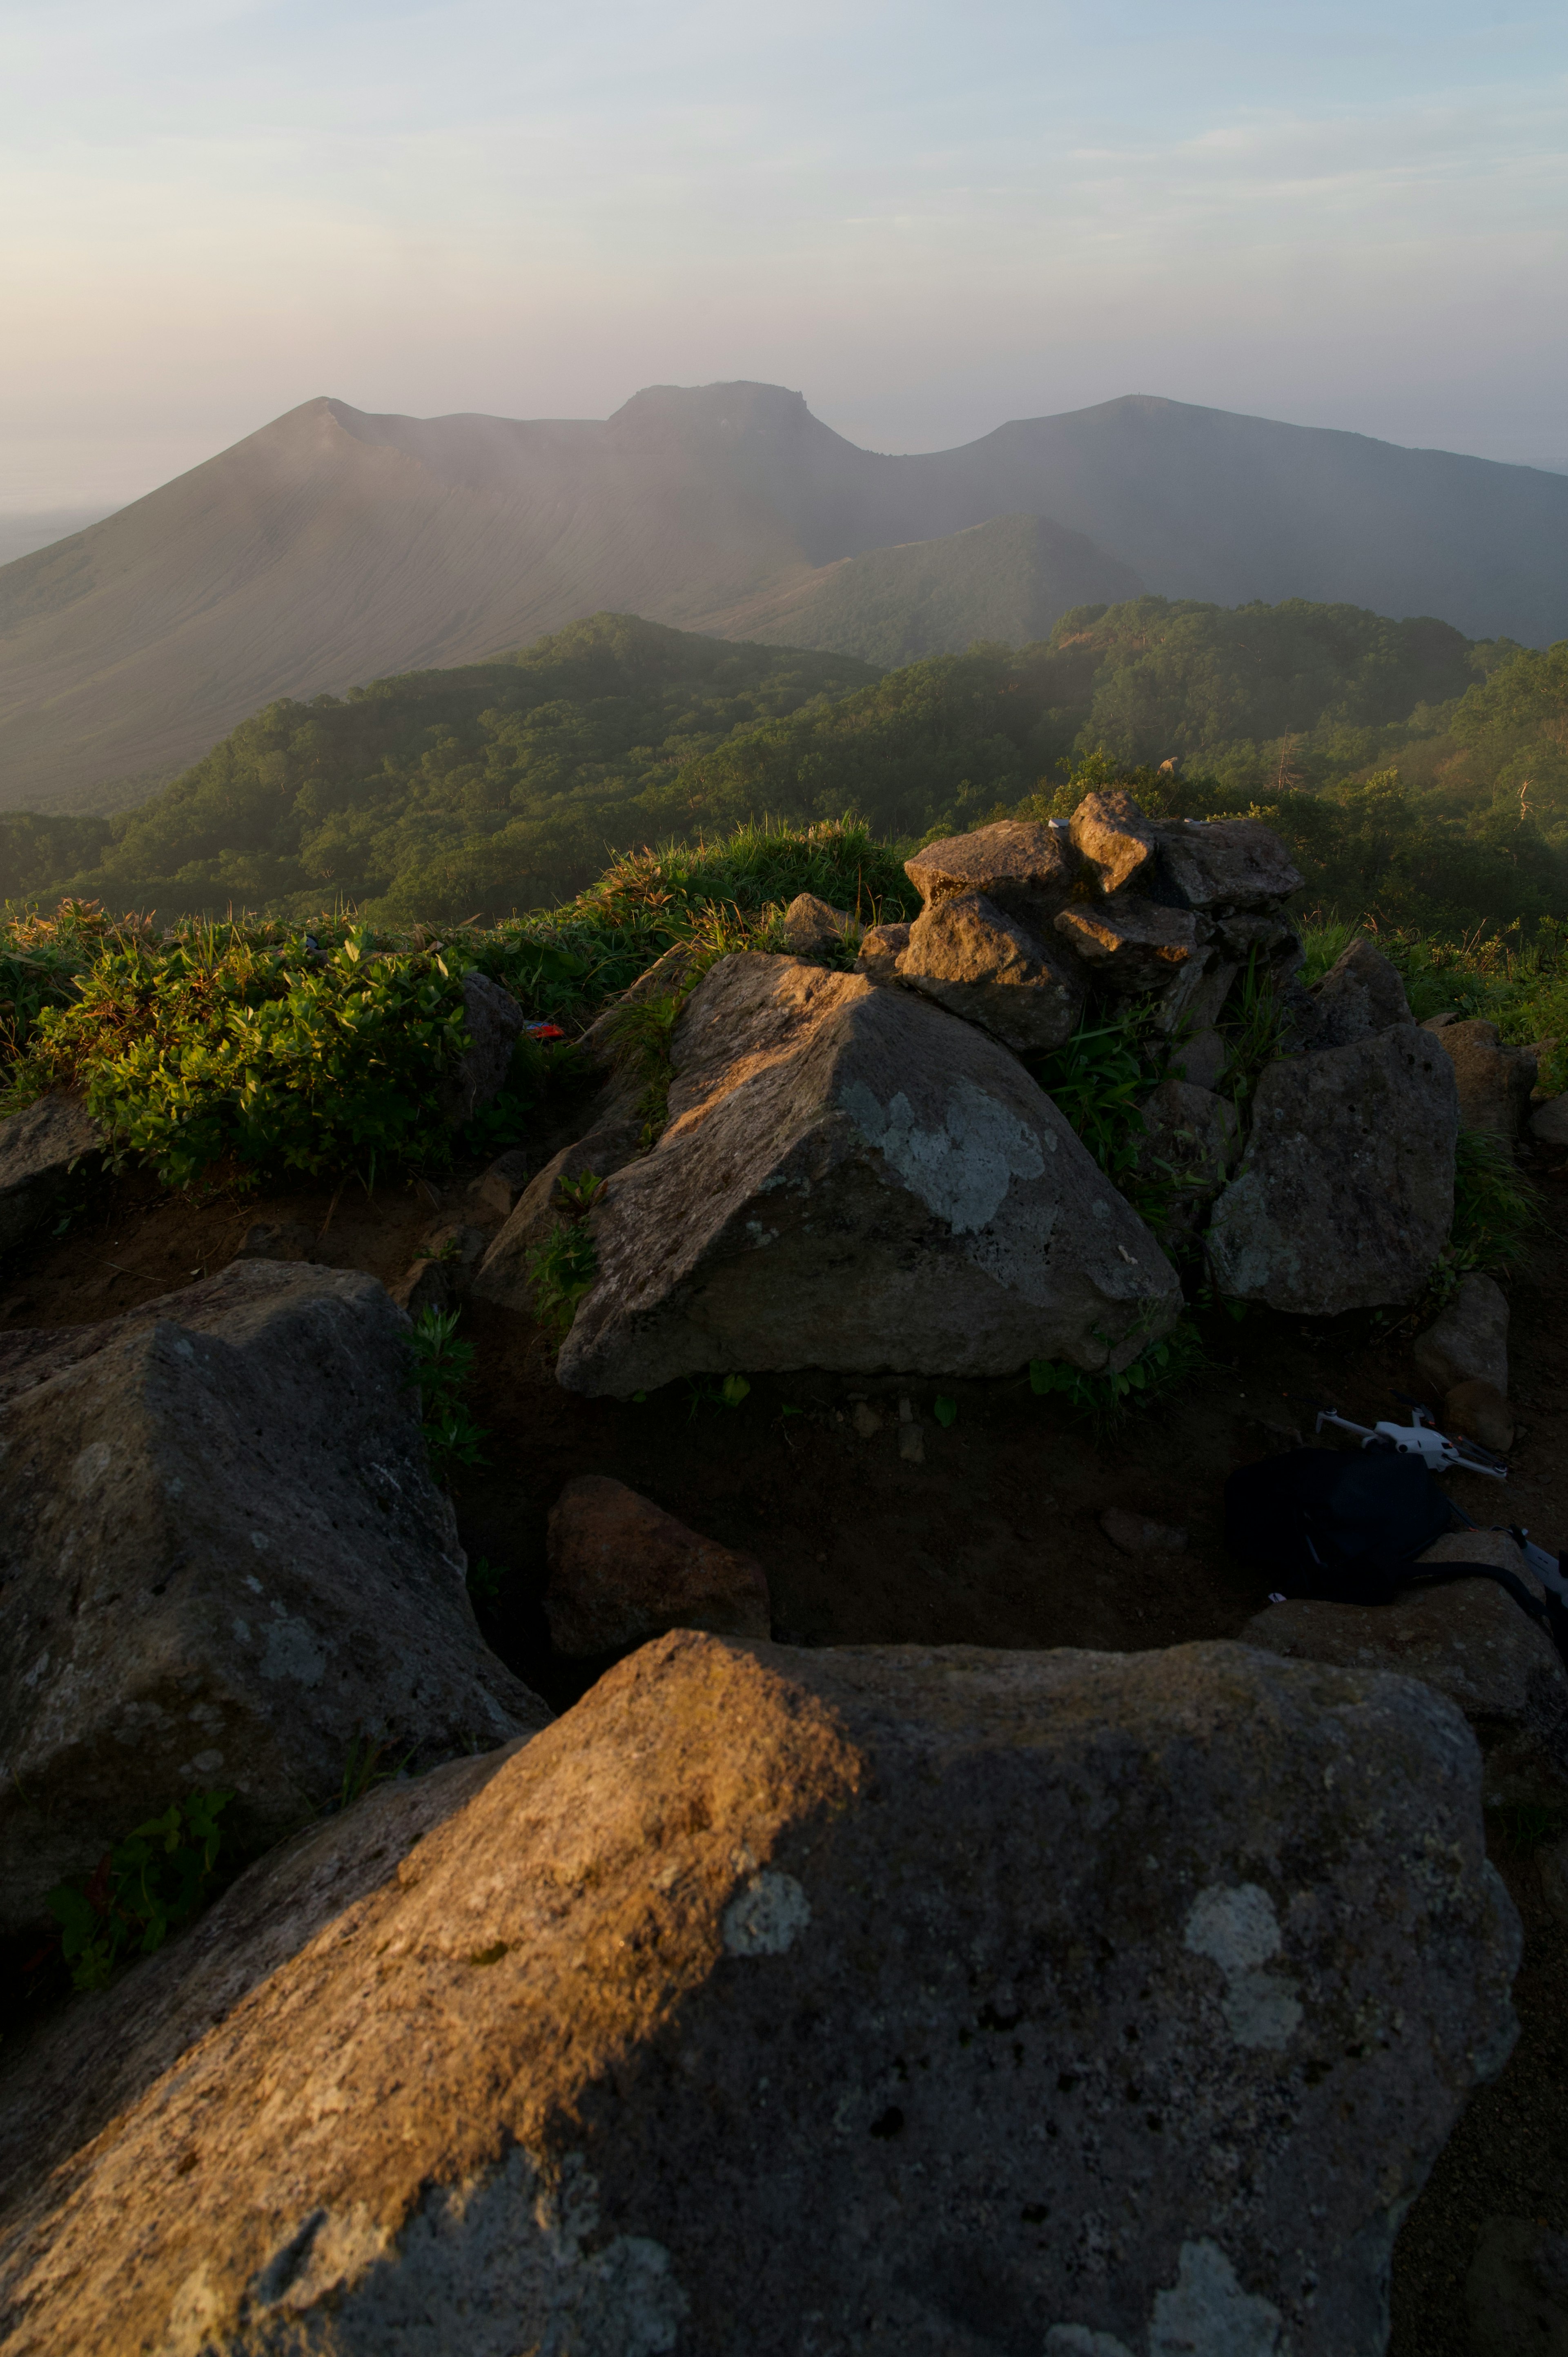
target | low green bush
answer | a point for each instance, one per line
(141, 1890)
(442, 1370)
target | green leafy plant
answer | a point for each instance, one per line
(441, 1371)
(705, 1392)
(563, 1265)
(945, 1410)
(1495, 1209)
(1105, 1398)
(486, 1580)
(1099, 1079)
(141, 1891)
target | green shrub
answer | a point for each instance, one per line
(442, 1368)
(141, 1891)
(1495, 1209)
(1099, 1080)
(562, 1267)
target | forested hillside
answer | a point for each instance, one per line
(1416, 771)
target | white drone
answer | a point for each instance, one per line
(1419, 1438)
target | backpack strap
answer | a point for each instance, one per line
(1545, 1610)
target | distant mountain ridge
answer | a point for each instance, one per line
(333, 545)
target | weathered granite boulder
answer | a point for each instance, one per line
(622, 1570)
(1469, 1640)
(1549, 1122)
(1027, 869)
(881, 947)
(494, 1019)
(812, 928)
(611, 1139)
(1114, 840)
(1494, 1083)
(1469, 1338)
(852, 1178)
(1130, 945)
(1070, 2003)
(1516, 2292)
(1345, 1195)
(969, 957)
(1480, 1412)
(1194, 1136)
(1360, 993)
(221, 1562)
(39, 1148)
(1231, 864)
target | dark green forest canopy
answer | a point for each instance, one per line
(1414, 771)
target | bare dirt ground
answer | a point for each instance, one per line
(994, 1539)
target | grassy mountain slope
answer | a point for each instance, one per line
(1413, 769)
(333, 547)
(1008, 581)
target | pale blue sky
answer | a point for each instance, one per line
(927, 218)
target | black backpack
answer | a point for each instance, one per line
(1346, 1527)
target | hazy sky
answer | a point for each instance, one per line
(926, 218)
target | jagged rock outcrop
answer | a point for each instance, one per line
(852, 1178)
(1028, 869)
(971, 958)
(1469, 1640)
(1129, 944)
(1360, 993)
(622, 1570)
(39, 1148)
(776, 1926)
(222, 1561)
(1345, 1193)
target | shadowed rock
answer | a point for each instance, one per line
(495, 1020)
(1062, 2002)
(1469, 1340)
(851, 1178)
(1345, 1195)
(222, 1562)
(1360, 993)
(1225, 863)
(980, 963)
(610, 1140)
(1130, 945)
(39, 1147)
(1494, 1083)
(622, 1570)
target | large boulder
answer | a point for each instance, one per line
(1494, 1083)
(622, 1570)
(1028, 869)
(878, 2000)
(1130, 944)
(1470, 1641)
(1114, 840)
(39, 1148)
(853, 1178)
(1344, 1196)
(222, 1562)
(1226, 863)
(1468, 1340)
(494, 1020)
(1361, 993)
(971, 958)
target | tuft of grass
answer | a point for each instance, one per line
(563, 1268)
(1107, 1398)
(1099, 1079)
(441, 1371)
(1495, 1209)
(141, 1890)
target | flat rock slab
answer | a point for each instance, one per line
(39, 1147)
(1470, 1641)
(1028, 869)
(1230, 864)
(854, 1179)
(222, 1562)
(622, 1570)
(922, 2001)
(1129, 943)
(1344, 1196)
(969, 957)
(1468, 1340)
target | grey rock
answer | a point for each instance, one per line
(813, 929)
(39, 1148)
(1234, 864)
(1195, 1000)
(1549, 1122)
(853, 1178)
(1471, 1642)
(965, 953)
(611, 1139)
(1268, 939)
(494, 1019)
(445, 1271)
(665, 978)
(497, 1190)
(881, 947)
(1130, 945)
(1469, 1339)
(1136, 1535)
(473, 2113)
(1027, 869)
(424, 1285)
(1516, 2293)
(1494, 1083)
(1359, 995)
(221, 1561)
(1345, 1195)
(1114, 840)
(1203, 1059)
(622, 1570)
(280, 1240)
(1196, 1136)
(1479, 1412)
(1439, 1022)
